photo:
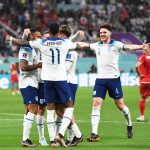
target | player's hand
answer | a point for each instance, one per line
(39, 65)
(26, 31)
(7, 38)
(146, 46)
(80, 33)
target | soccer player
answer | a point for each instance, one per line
(28, 84)
(143, 71)
(54, 51)
(14, 78)
(74, 134)
(41, 101)
(108, 79)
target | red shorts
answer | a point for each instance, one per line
(14, 78)
(145, 90)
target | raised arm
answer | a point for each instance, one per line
(76, 36)
(144, 46)
(82, 45)
(26, 32)
(16, 40)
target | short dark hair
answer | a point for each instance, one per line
(106, 26)
(33, 30)
(64, 29)
(45, 32)
(54, 28)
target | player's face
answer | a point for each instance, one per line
(104, 34)
(37, 35)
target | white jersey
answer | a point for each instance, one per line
(28, 78)
(71, 61)
(107, 58)
(54, 51)
(39, 60)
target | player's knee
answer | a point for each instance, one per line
(69, 104)
(96, 102)
(33, 108)
(120, 106)
(60, 113)
(41, 110)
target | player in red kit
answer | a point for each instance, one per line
(143, 71)
(14, 78)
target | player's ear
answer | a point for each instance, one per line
(110, 33)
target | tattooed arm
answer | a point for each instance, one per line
(16, 40)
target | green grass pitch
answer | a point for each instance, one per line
(112, 128)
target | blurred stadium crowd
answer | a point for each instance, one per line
(125, 16)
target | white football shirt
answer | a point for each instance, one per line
(71, 61)
(39, 60)
(54, 51)
(28, 78)
(107, 56)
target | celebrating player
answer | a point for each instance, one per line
(54, 51)
(41, 101)
(108, 79)
(28, 84)
(74, 134)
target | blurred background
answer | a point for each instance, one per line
(130, 20)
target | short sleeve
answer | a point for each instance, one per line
(142, 59)
(94, 46)
(70, 45)
(36, 44)
(23, 54)
(120, 46)
(71, 56)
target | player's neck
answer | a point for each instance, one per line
(54, 36)
(107, 41)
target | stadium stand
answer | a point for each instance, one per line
(125, 16)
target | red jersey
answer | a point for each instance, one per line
(14, 73)
(14, 69)
(144, 69)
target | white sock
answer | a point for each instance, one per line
(126, 113)
(70, 134)
(67, 117)
(76, 130)
(24, 117)
(40, 126)
(95, 117)
(51, 124)
(28, 125)
(58, 124)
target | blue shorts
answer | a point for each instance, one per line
(30, 95)
(56, 92)
(113, 86)
(41, 98)
(73, 90)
